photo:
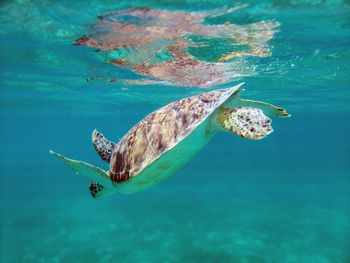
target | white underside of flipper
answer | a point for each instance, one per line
(85, 169)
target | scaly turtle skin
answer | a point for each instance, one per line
(166, 139)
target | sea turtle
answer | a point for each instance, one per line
(169, 137)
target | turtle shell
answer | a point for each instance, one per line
(162, 130)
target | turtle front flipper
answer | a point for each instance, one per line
(102, 146)
(267, 108)
(85, 169)
(245, 122)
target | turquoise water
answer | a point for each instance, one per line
(282, 199)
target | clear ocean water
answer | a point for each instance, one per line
(283, 199)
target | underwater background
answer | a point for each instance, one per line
(282, 199)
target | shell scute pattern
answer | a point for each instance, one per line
(131, 151)
(160, 131)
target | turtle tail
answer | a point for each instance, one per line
(102, 146)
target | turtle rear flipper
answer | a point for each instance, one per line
(245, 122)
(95, 174)
(102, 146)
(97, 190)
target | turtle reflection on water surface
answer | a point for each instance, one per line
(169, 137)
